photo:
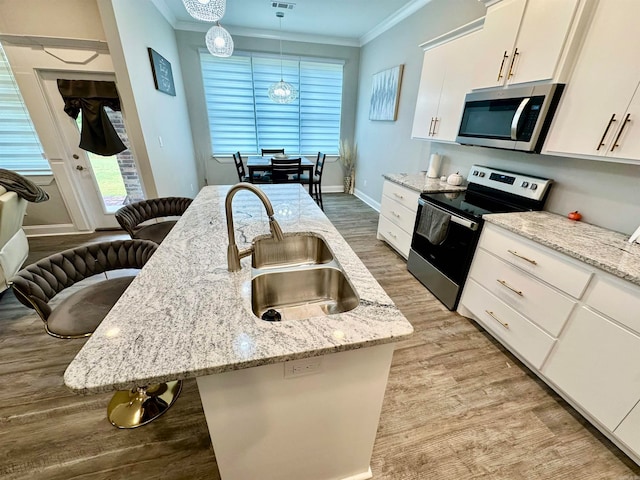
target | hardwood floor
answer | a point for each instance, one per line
(458, 406)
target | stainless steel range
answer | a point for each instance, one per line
(448, 225)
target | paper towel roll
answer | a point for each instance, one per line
(434, 166)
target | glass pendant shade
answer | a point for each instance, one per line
(282, 92)
(206, 10)
(219, 42)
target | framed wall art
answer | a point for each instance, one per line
(385, 94)
(162, 75)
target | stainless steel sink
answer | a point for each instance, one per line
(300, 293)
(293, 250)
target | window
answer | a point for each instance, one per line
(20, 149)
(243, 118)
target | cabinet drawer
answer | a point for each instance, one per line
(616, 299)
(398, 214)
(402, 195)
(597, 363)
(543, 305)
(504, 323)
(539, 261)
(629, 430)
(394, 236)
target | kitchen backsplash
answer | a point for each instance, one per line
(607, 194)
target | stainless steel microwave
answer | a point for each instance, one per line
(511, 118)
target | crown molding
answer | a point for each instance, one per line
(406, 11)
(453, 34)
(56, 42)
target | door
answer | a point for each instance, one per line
(99, 180)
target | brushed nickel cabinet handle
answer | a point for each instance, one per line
(512, 252)
(493, 315)
(606, 130)
(624, 124)
(504, 58)
(435, 125)
(505, 284)
(395, 214)
(431, 126)
(513, 61)
(392, 234)
(398, 195)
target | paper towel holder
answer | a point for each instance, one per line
(434, 166)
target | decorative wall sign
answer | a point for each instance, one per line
(385, 94)
(162, 75)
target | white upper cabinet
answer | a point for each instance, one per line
(599, 114)
(445, 80)
(523, 41)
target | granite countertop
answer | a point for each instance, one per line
(607, 250)
(185, 315)
(419, 183)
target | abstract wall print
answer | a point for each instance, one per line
(385, 94)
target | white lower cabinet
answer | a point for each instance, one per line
(575, 326)
(397, 216)
(597, 364)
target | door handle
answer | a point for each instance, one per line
(606, 130)
(504, 58)
(516, 118)
(431, 126)
(624, 124)
(435, 125)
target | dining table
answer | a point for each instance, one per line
(257, 163)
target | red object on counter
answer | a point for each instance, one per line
(574, 216)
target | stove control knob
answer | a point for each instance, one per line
(481, 174)
(524, 184)
(534, 186)
(475, 173)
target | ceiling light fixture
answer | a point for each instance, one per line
(219, 42)
(206, 10)
(282, 92)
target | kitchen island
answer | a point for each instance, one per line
(293, 399)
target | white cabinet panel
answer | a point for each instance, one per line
(617, 299)
(600, 90)
(597, 363)
(629, 430)
(397, 216)
(446, 78)
(402, 195)
(525, 338)
(394, 236)
(539, 261)
(541, 304)
(524, 41)
(397, 213)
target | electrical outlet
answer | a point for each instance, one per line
(306, 366)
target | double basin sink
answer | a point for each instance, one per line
(297, 278)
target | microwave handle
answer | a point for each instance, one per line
(516, 117)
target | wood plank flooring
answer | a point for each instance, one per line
(458, 406)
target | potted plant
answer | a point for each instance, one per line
(348, 152)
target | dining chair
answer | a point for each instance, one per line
(286, 170)
(79, 313)
(316, 179)
(242, 174)
(271, 151)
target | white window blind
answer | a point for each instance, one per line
(20, 149)
(243, 118)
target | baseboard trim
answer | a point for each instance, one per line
(56, 229)
(332, 189)
(368, 200)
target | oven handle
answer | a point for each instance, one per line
(516, 118)
(454, 218)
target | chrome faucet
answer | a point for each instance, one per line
(233, 254)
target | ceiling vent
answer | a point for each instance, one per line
(283, 5)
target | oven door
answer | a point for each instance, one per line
(442, 263)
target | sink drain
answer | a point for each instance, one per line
(271, 315)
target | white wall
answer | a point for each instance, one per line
(221, 171)
(387, 147)
(158, 124)
(607, 194)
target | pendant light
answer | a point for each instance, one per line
(219, 42)
(282, 92)
(206, 10)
